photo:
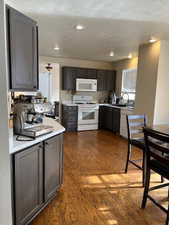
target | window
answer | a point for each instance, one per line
(129, 78)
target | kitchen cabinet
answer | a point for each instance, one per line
(85, 73)
(69, 75)
(106, 79)
(37, 176)
(101, 80)
(22, 43)
(28, 183)
(109, 118)
(111, 80)
(53, 165)
(70, 117)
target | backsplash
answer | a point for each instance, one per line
(99, 96)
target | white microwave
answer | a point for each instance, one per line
(86, 84)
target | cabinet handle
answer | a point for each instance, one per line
(34, 87)
(47, 143)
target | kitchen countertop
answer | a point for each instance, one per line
(118, 107)
(100, 104)
(19, 145)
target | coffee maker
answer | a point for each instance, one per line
(28, 119)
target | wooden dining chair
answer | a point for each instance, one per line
(135, 124)
(157, 159)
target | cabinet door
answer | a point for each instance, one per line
(28, 183)
(111, 81)
(101, 80)
(116, 120)
(22, 51)
(109, 118)
(85, 73)
(69, 78)
(70, 117)
(82, 73)
(92, 74)
(53, 157)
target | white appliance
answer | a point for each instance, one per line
(86, 84)
(123, 122)
(88, 113)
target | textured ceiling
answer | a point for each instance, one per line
(118, 25)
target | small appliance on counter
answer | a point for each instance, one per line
(112, 98)
(28, 119)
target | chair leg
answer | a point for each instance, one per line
(167, 220)
(144, 169)
(146, 188)
(162, 179)
(128, 157)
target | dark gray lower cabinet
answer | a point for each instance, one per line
(53, 166)
(28, 180)
(109, 118)
(37, 176)
(70, 117)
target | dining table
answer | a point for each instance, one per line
(163, 129)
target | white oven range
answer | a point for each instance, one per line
(88, 117)
(88, 112)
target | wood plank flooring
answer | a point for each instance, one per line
(96, 191)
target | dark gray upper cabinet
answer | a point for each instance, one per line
(111, 80)
(53, 165)
(22, 35)
(101, 80)
(69, 78)
(86, 73)
(28, 183)
(106, 80)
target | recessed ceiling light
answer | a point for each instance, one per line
(111, 53)
(130, 56)
(56, 48)
(79, 27)
(152, 40)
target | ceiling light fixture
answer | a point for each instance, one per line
(130, 56)
(56, 48)
(79, 27)
(152, 40)
(111, 53)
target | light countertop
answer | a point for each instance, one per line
(100, 104)
(118, 107)
(19, 145)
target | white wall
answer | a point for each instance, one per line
(77, 62)
(54, 91)
(148, 60)
(161, 111)
(5, 182)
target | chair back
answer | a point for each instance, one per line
(156, 146)
(135, 124)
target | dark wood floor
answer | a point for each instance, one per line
(95, 190)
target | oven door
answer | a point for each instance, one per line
(86, 85)
(87, 116)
